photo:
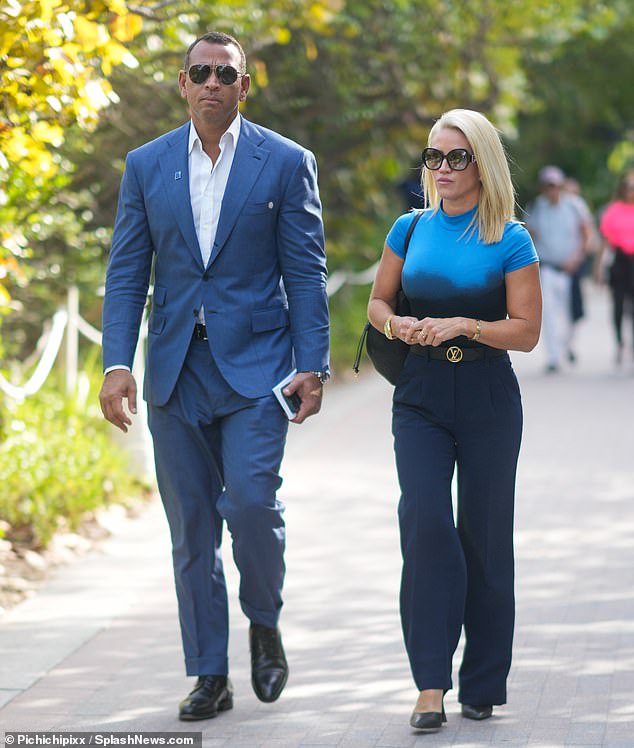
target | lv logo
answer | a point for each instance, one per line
(454, 354)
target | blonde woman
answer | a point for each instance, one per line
(471, 277)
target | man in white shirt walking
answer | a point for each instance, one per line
(562, 229)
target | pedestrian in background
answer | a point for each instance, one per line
(472, 280)
(562, 228)
(227, 215)
(577, 305)
(617, 229)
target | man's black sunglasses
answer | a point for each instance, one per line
(457, 160)
(226, 74)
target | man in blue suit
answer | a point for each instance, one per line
(227, 216)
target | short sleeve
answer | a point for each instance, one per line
(395, 239)
(520, 250)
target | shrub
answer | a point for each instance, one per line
(58, 462)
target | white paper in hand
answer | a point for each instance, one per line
(290, 405)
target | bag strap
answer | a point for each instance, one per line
(364, 334)
(360, 344)
(410, 231)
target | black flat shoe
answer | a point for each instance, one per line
(211, 694)
(269, 669)
(428, 721)
(477, 712)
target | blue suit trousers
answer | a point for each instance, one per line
(218, 457)
(458, 573)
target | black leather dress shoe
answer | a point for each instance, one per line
(483, 711)
(269, 669)
(211, 694)
(428, 721)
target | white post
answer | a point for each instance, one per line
(72, 339)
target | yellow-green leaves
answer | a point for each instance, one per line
(55, 56)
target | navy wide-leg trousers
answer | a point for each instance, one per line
(466, 416)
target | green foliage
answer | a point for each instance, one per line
(55, 56)
(348, 306)
(58, 245)
(366, 95)
(582, 112)
(58, 462)
(348, 311)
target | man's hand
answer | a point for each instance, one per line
(118, 384)
(310, 390)
(572, 264)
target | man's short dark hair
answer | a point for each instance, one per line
(218, 37)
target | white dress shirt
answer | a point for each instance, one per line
(207, 185)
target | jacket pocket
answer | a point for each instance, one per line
(251, 209)
(269, 319)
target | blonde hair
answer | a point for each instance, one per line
(497, 196)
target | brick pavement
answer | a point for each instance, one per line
(98, 647)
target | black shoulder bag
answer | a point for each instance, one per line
(388, 356)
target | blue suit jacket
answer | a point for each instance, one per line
(264, 288)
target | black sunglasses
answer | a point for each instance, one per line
(457, 160)
(226, 74)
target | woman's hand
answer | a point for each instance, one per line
(436, 330)
(402, 328)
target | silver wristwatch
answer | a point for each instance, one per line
(323, 376)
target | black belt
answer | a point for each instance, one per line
(200, 332)
(454, 354)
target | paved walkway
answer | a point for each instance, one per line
(98, 647)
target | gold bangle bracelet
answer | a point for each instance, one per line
(387, 328)
(478, 330)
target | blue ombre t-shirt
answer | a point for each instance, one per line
(450, 273)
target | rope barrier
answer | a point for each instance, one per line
(88, 331)
(45, 364)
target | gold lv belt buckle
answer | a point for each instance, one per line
(454, 354)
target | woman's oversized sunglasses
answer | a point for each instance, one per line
(225, 74)
(457, 160)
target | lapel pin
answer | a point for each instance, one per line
(178, 174)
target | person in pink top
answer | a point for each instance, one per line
(617, 228)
